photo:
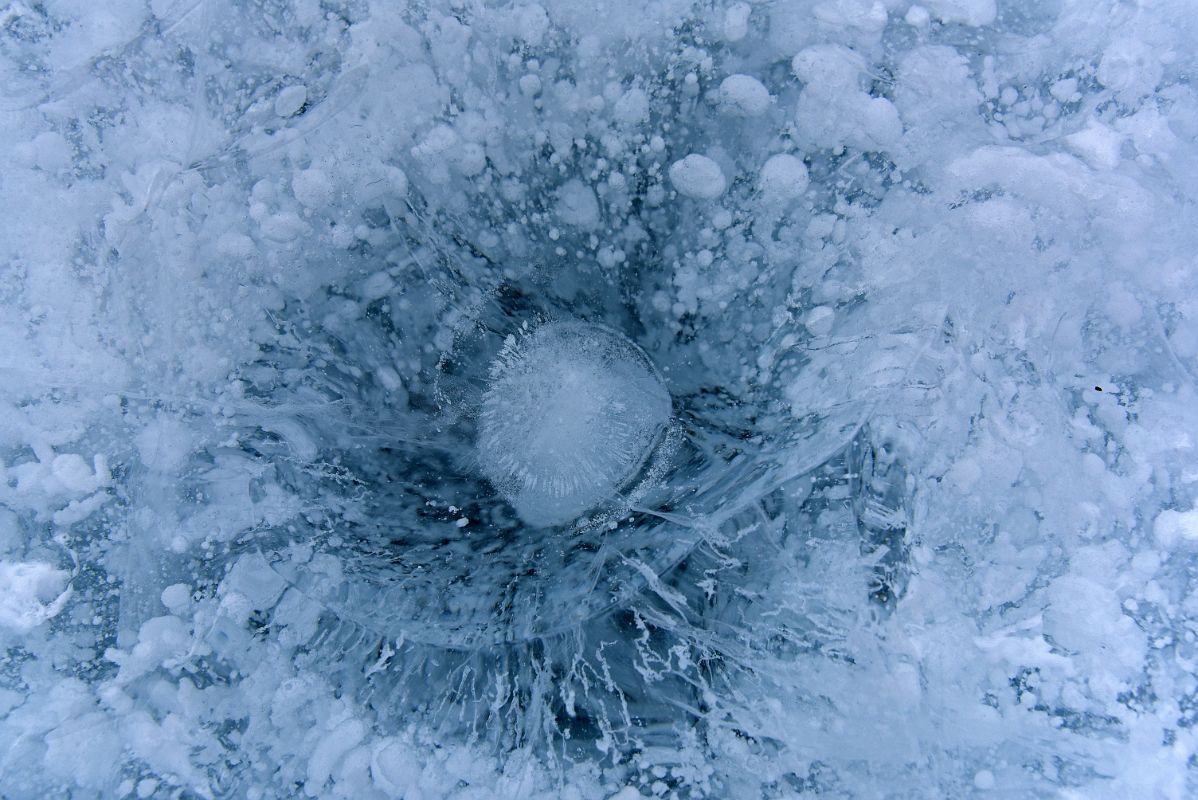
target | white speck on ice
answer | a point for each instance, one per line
(698, 177)
(983, 779)
(744, 96)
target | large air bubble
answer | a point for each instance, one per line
(571, 412)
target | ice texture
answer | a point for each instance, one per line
(917, 282)
(570, 412)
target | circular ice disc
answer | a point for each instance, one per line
(570, 413)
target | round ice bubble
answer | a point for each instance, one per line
(570, 414)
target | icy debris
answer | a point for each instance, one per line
(312, 188)
(633, 107)
(743, 96)
(1131, 68)
(436, 151)
(530, 85)
(1098, 145)
(833, 109)
(164, 444)
(917, 17)
(176, 598)
(698, 177)
(49, 151)
(333, 746)
(1064, 90)
(393, 767)
(577, 205)
(57, 486)
(983, 779)
(833, 66)
(290, 100)
(783, 177)
(1086, 617)
(627, 793)
(736, 21)
(1175, 530)
(252, 578)
(92, 31)
(973, 13)
(161, 641)
(31, 592)
(530, 23)
(570, 413)
(819, 320)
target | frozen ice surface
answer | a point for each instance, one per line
(570, 414)
(889, 489)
